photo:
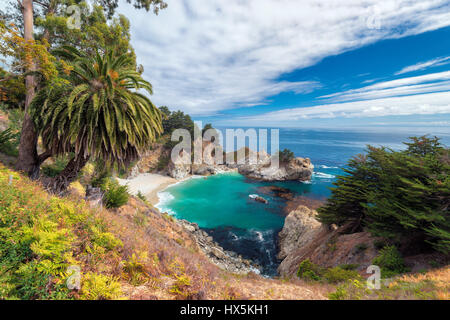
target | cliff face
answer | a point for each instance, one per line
(303, 237)
(300, 228)
(298, 169)
(158, 159)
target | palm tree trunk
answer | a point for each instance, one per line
(61, 182)
(28, 161)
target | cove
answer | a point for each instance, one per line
(221, 206)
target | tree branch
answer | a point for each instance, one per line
(44, 156)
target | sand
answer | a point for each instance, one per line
(149, 184)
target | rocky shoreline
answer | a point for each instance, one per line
(226, 260)
(296, 169)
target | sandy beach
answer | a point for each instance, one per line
(149, 184)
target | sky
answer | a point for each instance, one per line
(290, 63)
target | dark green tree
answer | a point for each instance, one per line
(403, 196)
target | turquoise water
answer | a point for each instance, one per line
(221, 205)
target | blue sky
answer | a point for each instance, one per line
(290, 63)
(310, 63)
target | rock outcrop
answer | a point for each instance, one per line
(303, 237)
(300, 228)
(178, 171)
(297, 169)
(226, 260)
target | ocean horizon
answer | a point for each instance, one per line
(221, 204)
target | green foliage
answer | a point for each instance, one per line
(102, 173)
(54, 169)
(286, 155)
(401, 196)
(175, 120)
(350, 290)
(339, 274)
(98, 112)
(390, 261)
(100, 287)
(5, 137)
(115, 194)
(12, 90)
(163, 162)
(10, 138)
(135, 269)
(41, 236)
(308, 270)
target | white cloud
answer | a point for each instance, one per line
(420, 95)
(422, 104)
(432, 82)
(425, 65)
(204, 56)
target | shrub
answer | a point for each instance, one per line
(115, 194)
(350, 290)
(390, 261)
(286, 155)
(54, 169)
(8, 142)
(308, 270)
(135, 268)
(338, 274)
(41, 236)
(100, 287)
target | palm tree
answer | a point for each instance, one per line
(99, 113)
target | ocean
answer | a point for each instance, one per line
(221, 204)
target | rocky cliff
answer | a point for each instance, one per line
(303, 237)
(158, 159)
(297, 169)
(300, 228)
(226, 260)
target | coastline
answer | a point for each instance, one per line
(149, 184)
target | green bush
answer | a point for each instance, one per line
(100, 287)
(286, 155)
(115, 194)
(390, 261)
(338, 274)
(308, 270)
(54, 169)
(8, 142)
(42, 236)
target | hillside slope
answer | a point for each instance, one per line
(134, 252)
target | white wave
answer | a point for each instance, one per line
(259, 236)
(327, 167)
(323, 175)
(307, 182)
(164, 199)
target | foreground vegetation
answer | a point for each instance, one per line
(136, 252)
